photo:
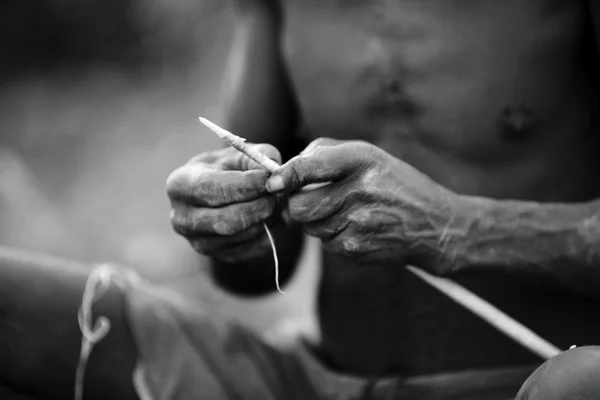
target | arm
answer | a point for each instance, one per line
(380, 210)
(555, 243)
(259, 106)
(550, 243)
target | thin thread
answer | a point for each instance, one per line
(238, 143)
(274, 248)
(96, 287)
(456, 292)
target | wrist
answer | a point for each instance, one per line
(522, 237)
(444, 251)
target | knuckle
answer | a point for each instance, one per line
(267, 207)
(297, 212)
(316, 143)
(192, 183)
(304, 214)
(230, 226)
(352, 246)
(225, 228)
(182, 224)
(206, 189)
(348, 245)
(293, 174)
(242, 218)
(198, 246)
(326, 141)
(322, 142)
(199, 184)
(367, 151)
(320, 151)
(174, 182)
(207, 247)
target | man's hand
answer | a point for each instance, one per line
(376, 209)
(219, 202)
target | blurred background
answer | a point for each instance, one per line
(98, 104)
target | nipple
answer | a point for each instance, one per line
(518, 123)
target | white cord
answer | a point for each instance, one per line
(96, 287)
(488, 312)
(272, 241)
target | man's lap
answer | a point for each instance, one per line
(186, 352)
(204, 354)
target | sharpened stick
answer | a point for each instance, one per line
(486, 311)
(494, 316)
(238, 143)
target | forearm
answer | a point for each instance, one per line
(257, 276)
(556, 244)
(257, 98)
(260, 106)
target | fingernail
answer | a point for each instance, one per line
(275, 184)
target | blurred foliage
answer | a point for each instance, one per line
(98, 103)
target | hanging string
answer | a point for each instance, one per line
(272, 241)
(239, 144)
(96, 287)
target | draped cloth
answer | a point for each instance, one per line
(187, 352)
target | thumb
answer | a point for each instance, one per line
(323, 165)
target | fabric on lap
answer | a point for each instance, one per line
(187, 352)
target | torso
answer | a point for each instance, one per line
(488, 98)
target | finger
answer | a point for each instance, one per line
(357, 219)
(227, 221)
(324, 164)
(212, 157)
(320, 142)
(248, 250)
(327, 229)
(304, 207)
(212, 245)
(238, 161)
(198, 185)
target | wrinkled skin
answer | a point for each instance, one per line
(220, 202)
(374, 206)
(494, 102)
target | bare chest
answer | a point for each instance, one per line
(443, 85)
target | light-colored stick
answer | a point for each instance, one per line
(238, 143)
(486, 311)
(491, 314)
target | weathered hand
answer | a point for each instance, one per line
(219, 203)
(377, 209)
